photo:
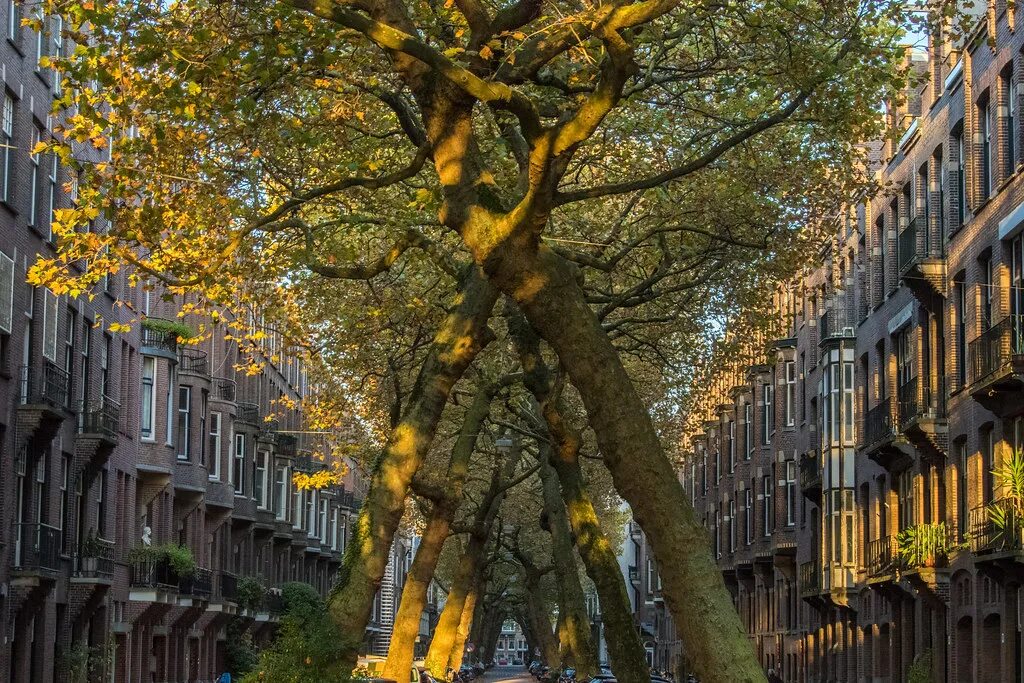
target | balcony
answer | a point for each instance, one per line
(228, 587)
(922, 415)
(152, 581)
(634, 576)
(810, 580)
(997, 366)
(287, 445)
(101, 417)
(94, 560)
(224, 389)
(996, 529)
(45, 385)
(836, 325)
(883, 441)
(193, 361)
(248, 412)
(159, 338)
(199, 585)
(36, 549)
(882, 555)
(810, 474)
(922, 265)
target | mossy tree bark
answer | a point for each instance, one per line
(574, 633)
(461, 336)
(625, 649)
(465, 625)
(446, 502)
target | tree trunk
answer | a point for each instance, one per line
(460, 338)
(625, 649)
(446, 633)
(540, 624)
(414, 594)
(573, 621)
(462, 633)
(544, 287)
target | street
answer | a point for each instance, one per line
(508, 674)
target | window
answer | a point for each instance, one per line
(748, 515)
(748, 430)
(987, 465)
(960, 301)
(324, 529)
(260, 488)
(105, 366)
(311, 498)
(790, 399)
(732, 446)
(1010, 92)
(790, 492)
(238, 466)
(767, 391)
(13, 20)
(769, 511)
(6, 293)
(101, 505)
(803, 387)
(732, 525)
(704, 474)
(985, 130)
(51, 188)
(905, 495)
(33, 207)
(40, 41)
(7, 139)
(148, 397)
(961, 174)
(65, 474)
(169, 405)
(987, 286)
(280, 491)
(57, 29)
(215, 450)
(963, 500)
(1016, 294)
(184, 422)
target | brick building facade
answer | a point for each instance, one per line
(109, 442)
(846, 475)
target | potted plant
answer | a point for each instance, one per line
(1006, 514)
(91, 550)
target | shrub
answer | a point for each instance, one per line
(301, 601)
(250, 592)
(240, 654)
(179, 557)
(307, 650)
(179, 329)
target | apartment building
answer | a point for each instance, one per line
(111, 444)
(846, 470)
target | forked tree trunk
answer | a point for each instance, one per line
(625, 649)
(414, 594)
(462, 633)
(574, 633)
(461, 336)
(544, 287)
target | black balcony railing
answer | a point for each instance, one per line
(912, 244)
(881, 555)
(193, 360)
(199, 584)
(810, 470)
(101, 417)
(810, 578)
(926, 402)
(836, 323)
(228, 586)
(908, 400)
(36, 547)
(997, 347)
(287, 444)
(95, 558)
(634, 575)
(224, 388)
(45, 384)
(146, 573)
(273, 602)
(248, 412)
(996, 527)
(879, 424)
(157, 338)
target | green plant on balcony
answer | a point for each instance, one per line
(178, 557)
(178, 329)
(924, 545)
(250, 592)
(1009, 477)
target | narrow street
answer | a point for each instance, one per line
(508, 674)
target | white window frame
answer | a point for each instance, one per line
(216, 426)
(6, 293)
(33, 208)
(790, 398)
(791, 502)
(13, 20)
(148, 403)
(51, 312)
(261, 479)
(238, 463)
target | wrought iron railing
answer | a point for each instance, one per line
(224, 388)
(36, 547)
(248, 412)
(287, 444)
(634, 575)
(836, 322)
(273, 601)
(810, 470)
(45, 384)
(193, 360)
(879, 424)
(157, 338)
(95, 558)
(912, 244)
(228, 586)
(146, 573)
(996, 347)
(882, 554)
(101, 417)
(908, 400)
(996, 527)
(199, 584)
(810, 578)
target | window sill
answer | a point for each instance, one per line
(17, 48)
